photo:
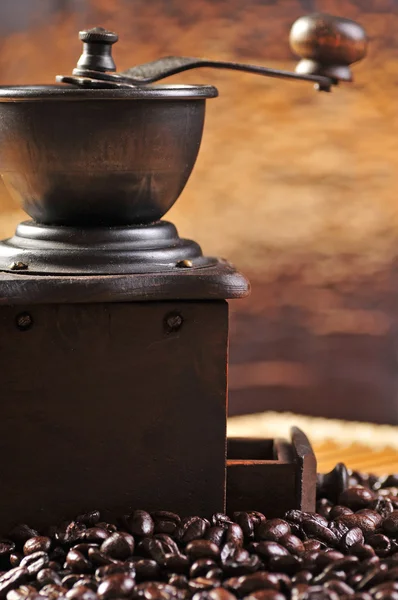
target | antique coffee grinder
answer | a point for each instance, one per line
(113, 329)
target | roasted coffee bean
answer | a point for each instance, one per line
(380, 543)
(216, 535)
(118, 545)
(22, 592)
(364, 522)
(178, 581)
(151, 548)
(36, 544)
(140, 523)
(95, 535)
(340, 587)
(168, 544)
(108, 570)
(72, 534)
(87, 581)
(35, 562)
(217, 593)
(357, 497)
(215, 574)
(338, 511)
(165, 522)
(98, 558)
(286, 564)
(292, 543)
(52, 591)
(81, 592)
(202, 584)
(390, 523)
(311, 545)
(320, 532)
(271, 549)
(383, 506)
(234, 534)
(201, 567)
(146, 570)
(220, 520)
(191, 529)
(352, 537)
(299, 517)
(326, 558)
(265, 595)
(116, 586)
(15, 559)
(248, 521)
(48, 576)
(157, 591)
(12, 579)
(302, 577)
(84, 548)
(202, 549)
(272, 530)
(176, 563)
(69, 580)
(362, 551)
(90, 518)
(109, 527)
(77, 562)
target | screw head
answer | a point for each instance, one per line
(24, 321)
(173, 322)
(184, 264)
(18, 266)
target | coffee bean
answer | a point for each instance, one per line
(217, 593)
(178, 581)
(311, 545)
(69, 580)
(272, 530)
(81, 592)
(357, 497)
(201, 567)
(202, 584)
(352, 537)
(96, 535)
(37, 544)
(271, 549)
(286, 564)
(248, 521)
(265, 595)
(165, 522)
(302, 577)
(140, 523)
(48, 576)
(191, 529)
(98, 558)
(292, 543)
(77, 562)
(380, 543)
(338, 511)
(116, 586)
(146, 570)
(362, 551)
(175, 563)
(22, 592)
(202, 549)
(323, 507)
(320, 532)
(216, 535)
(35, 562)
(52, 591)
(90, 518)
(15, 559)
(390, 524)
(12, 579)
(118, 545)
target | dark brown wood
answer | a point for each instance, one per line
(271, 476)
(214, 283)
(105, 405)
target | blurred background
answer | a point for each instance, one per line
(298, 189)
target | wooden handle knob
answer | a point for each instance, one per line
(327, 45)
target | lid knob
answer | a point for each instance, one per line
(97, 49)
(327, 45)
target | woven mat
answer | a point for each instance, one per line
(361, 446)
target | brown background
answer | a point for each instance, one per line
(297, 188)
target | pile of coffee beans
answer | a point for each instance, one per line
(347, 549)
